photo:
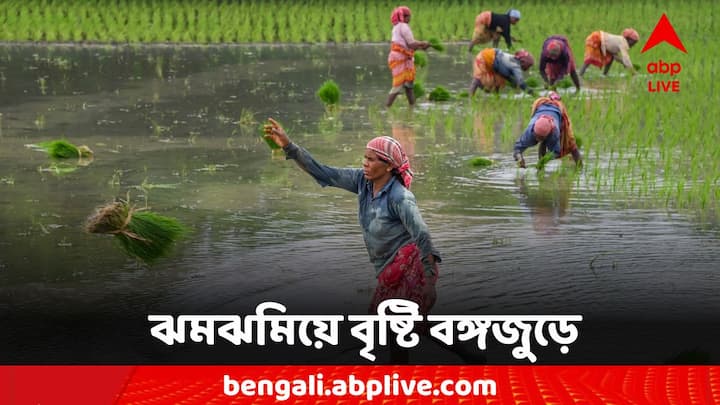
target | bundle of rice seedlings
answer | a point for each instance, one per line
(564, 83)
(61, 149)
(143, 234)
(420, 59)
(418, 89)
(436, 45)
(439, 94)
(481, 161)
(532, 82)
(540, 165)
(271, 143)
(329, 93)
(267, 129)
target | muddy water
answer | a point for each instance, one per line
(177, 129)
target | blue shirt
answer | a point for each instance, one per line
(552, 142)
(507, 66)
(389, 220)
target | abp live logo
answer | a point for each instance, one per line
(664, 32)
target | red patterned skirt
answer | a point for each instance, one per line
(405, 278)
(402, 66)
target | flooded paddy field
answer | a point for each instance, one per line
(177, 129)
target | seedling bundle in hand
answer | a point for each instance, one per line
(540, 165)
(420, 59)
(436, 45)
(272, 144)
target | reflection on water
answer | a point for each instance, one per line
(179, 129)
(548, 202)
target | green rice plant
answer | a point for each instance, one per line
(142, 234)
(420, 59)
(564, 83)
(247, 118)
(439, 94)
(271, 143)
(480, 161)
(533, 82)
(61, 149)
(540, 165)
(329, 93)
(435, 44)
(265, 134)
(418, 89)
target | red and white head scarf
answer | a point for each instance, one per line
(398, 15)
(631, 34)
(390, 150)
(543, 126)
(526, 60)
(554, 48)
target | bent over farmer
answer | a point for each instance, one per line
(491, 26)
(601, 48)
(401, 57)
(556, 61)
(492, 68)
(550, 127)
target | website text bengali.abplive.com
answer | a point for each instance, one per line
(315, 385)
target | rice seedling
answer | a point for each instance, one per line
(419, 89)
(141, 233)
(61, 149)
(329, 93)
(564, 83)
(532, 82)
(40, 121)
(420, 59)
(266, 130)
(247, 118)
(542, 162)
(439, 93)
(435, 44)
(116, 177)
(480, 161)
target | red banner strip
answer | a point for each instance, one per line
(360, 384)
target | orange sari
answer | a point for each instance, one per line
(483, 70)
(482, 33)
(593, 50)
